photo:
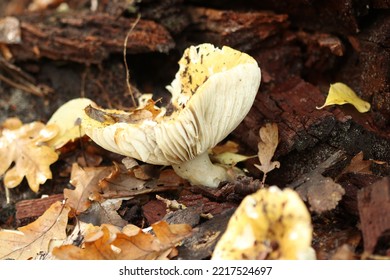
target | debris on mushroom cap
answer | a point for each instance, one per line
(200, 63)
(269, 224)
(213, 91)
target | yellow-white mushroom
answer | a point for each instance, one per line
(212, 92)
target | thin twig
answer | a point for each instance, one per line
(27, 88)
(125, 60)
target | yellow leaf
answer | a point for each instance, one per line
(68, 118)
(26, 242)
(269, 224)
(230, 158)
(227, 154)
(27, 147)
(340, 94)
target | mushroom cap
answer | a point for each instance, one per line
(266, 218)
(212, 92)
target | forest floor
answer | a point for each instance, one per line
(336, 158)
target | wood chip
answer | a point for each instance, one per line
(34, 208)
(374, 209)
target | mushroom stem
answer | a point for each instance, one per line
(201, 171)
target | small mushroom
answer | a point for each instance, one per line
(212, 92)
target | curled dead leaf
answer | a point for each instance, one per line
(229, 146)
(86, 182)
(108, 117)
(359, 165)
(108, 243)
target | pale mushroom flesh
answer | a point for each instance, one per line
(212, 93)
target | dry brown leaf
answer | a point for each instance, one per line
(12, 123)
(149, 112)
(40, 5)
(322, 193)
(229, 146)
(130, 244)
(359, 165)
(269, 140)
(28, 241)
(26, 146)
(374, 207)
(104, 213)
(86, 182)
(269, 224)
(139, 172)
(129, 162)
(168, 177)
(121, 179)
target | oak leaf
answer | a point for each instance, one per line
(26, 242)
(269, 224)
(359, 165)
(103, 213)
(132, 243)
(269, 140)
(87, 183)
(27, 147)
(122, 179)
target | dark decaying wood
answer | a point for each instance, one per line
(86, 37)
(33, 208)
(243, 30)
(374, 207)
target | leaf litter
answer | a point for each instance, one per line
(26, 146)
(28, 241)
(99, 192)
(131, 243)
